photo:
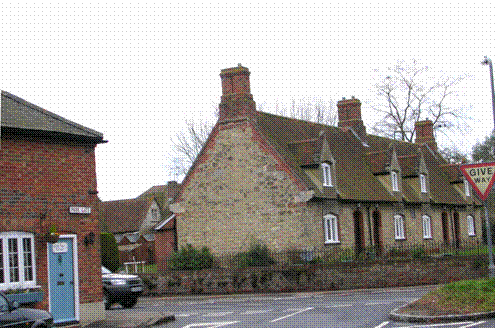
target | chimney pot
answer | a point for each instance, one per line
(237, 100)
(349, 112)
(424, 133)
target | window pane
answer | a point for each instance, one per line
(28, 259)
(13, 260)
(2, 272)
(470, 222)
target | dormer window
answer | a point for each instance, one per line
(395, 181)
(467, 191)
(327, 175)
(422, 181)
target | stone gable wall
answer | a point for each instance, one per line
(239, 194)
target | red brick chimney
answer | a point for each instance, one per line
(424, 133)
(349, 111)
(237, 100)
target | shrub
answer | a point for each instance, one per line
(257, 255)
(189, 258)
(109, 252)
(418, 252)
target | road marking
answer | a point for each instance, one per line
(379, 303)
(211, 324)
(256, 312)
(473, 324)
(383, 324)
(292, 314)
(442, 324)
(338, 305)
(217, 314)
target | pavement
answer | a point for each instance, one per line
(119, 318)
(395, 315)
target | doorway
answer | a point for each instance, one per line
(62, 279)
(377, 232)
(445, 227)
(457, 233)
(358, 232)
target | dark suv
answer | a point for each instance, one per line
(120, 288)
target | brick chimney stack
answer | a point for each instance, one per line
(237, 100)
(349, 111)
(424, 133)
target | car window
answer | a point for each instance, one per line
(105, 270)
(4, 305)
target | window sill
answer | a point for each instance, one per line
(332, 242)
(472, 235)
(427, 238)
(400, 239)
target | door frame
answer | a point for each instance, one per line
(76, 274)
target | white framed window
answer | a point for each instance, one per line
(331, 229)
(327, 175)
(426, 227)
(470, 224)
(399, 227)
(17, 260)
(154, 215)
(422, 181)
(395, 181)
(467, 190)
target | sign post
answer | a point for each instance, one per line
(481, 177)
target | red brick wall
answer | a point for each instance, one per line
(164, 247)
(38, 182)
(145, 252)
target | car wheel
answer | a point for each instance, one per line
(129, 303)
(106, 301)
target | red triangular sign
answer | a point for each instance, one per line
(480, 176)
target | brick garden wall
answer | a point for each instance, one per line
(386, 273)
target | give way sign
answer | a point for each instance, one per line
(480, 176)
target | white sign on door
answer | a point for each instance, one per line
(60, 248)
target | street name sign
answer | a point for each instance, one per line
(480, 176)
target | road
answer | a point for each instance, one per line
(327, 309)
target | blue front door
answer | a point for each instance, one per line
(61, 274)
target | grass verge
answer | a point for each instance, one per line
(461, 297)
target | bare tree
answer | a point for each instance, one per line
(187, 144)
(410, 93)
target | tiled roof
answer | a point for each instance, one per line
(356, 165)
(170, 189)
(355, 180)
(22, 115)
(125, 215)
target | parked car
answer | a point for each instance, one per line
(120, 288)
(11, 315)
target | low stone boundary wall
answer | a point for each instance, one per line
(385, 273)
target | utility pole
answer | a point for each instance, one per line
(491, 266)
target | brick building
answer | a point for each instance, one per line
(141, 225)
(293, 184)
(47, 183)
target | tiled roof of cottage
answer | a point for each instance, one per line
(356, 165)
(125, 215)
(170, 189)
(18, 114)
(355, 180)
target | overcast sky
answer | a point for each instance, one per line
(137, 72)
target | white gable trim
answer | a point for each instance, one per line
(161, 225)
